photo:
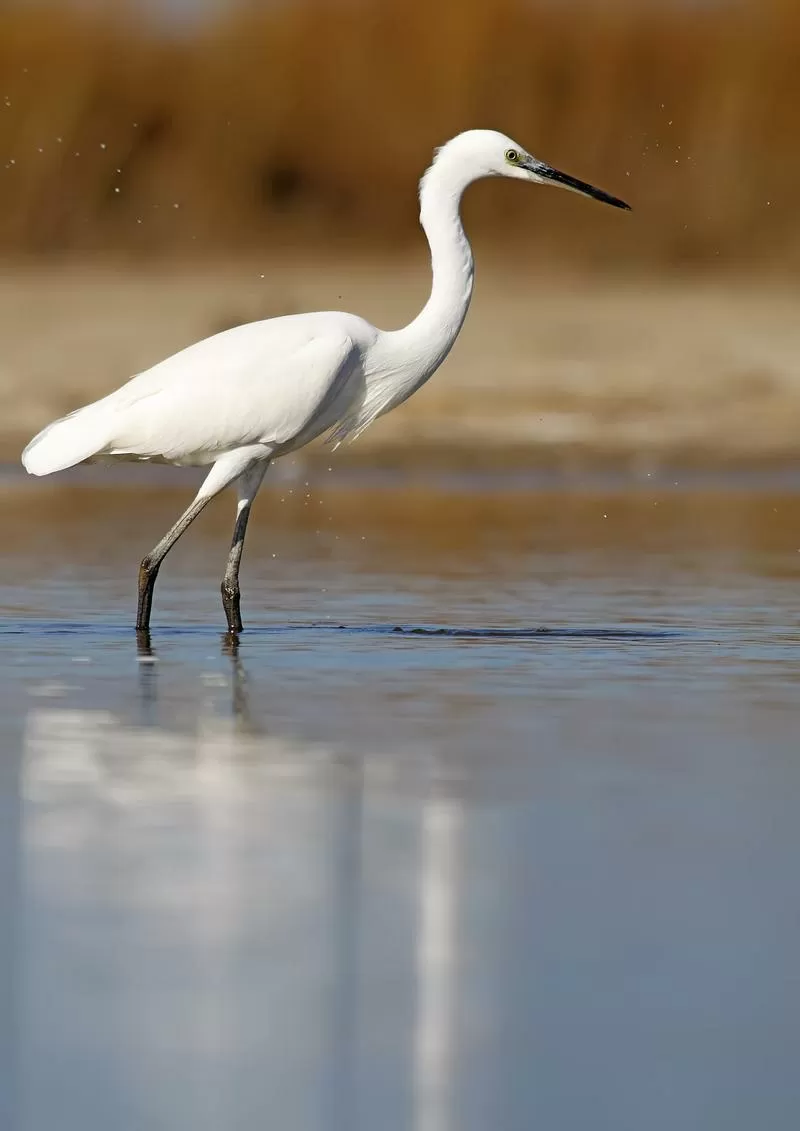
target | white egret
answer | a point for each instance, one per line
(243, 397)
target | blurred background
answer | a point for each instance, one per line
(489, 820)
(169, 167)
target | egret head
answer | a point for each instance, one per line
(487, 153)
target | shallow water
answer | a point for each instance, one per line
(489, 820)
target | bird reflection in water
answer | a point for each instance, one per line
(241, 714)
(265, 839)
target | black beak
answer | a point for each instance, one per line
(547, 173)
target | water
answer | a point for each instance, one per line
(343, 876)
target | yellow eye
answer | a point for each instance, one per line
(512, 156)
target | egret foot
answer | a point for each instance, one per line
(148, 572)
(231, 605)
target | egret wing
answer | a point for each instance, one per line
(261, 389)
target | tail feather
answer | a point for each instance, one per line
(66, 442)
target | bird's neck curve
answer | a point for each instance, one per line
(432, 333)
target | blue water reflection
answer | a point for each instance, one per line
(352, 879)
(230, 927)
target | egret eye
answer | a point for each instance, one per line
(512, 156)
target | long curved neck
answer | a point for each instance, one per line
(429, 337)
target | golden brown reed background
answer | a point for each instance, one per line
(313, 119)
(159, 182)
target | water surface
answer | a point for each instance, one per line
(488, 820)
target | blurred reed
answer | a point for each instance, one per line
(310, 121)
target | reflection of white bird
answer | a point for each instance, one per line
(245, 396)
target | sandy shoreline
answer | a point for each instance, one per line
(545, 372)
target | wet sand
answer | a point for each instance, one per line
(344, 876)
(549, 371)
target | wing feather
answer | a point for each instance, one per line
(201, 401)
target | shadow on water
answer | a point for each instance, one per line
(231, 649)
(146, 640)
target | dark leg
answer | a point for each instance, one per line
(144, 647)
(246, 464)
(248, 486)
(148, 570)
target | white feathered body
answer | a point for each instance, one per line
(269, 387)
(280, 382)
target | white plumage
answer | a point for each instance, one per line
(243, 397)
(261, 383)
